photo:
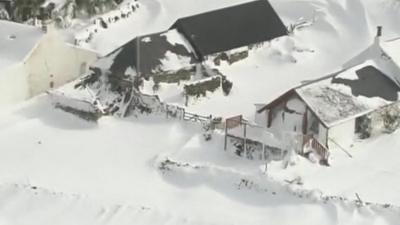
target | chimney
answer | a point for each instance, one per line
(379, 31)
(377, 39)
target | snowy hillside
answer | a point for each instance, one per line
(150, 169)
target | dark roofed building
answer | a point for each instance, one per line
(232, 27)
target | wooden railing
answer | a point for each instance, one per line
(195, 117)
(181, 113)
(319, 148)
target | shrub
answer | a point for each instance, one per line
(201, 88)
(391, 118)
(226, 86)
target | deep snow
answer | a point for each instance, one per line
(77, 172)
(58, 169)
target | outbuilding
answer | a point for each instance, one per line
(34, 60)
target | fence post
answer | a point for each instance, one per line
(263, 150)
(166, 109)
(244, 138)
(226, 134)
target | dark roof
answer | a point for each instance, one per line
(152, 50)
(231, 27)
(371, 82)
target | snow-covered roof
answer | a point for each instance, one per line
(56, 2)
(392, 48)
(350, 93)
(163, 51)
(17, 41)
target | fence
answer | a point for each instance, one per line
(310, 142)
(181, 113)
(253, 141)
(267, 144)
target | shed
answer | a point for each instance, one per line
(230, 28)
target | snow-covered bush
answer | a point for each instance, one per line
(226, 86)
(174, 77)
(93, 7)
(79, 107)
(207, 129)
(363, 127)
(391, 118)
(200, 88)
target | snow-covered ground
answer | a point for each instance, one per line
(152, 16)
(372, 171)
(58, 169)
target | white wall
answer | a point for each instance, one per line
(13, 85)
(261, 118)
(289, 121)
(343, 134)
(54, 61)
(322, 134)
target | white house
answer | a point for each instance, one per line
(34, 60)
(335, 109)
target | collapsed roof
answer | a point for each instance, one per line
(158, 52)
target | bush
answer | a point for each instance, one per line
(391, 118)
(156, 87)
(173, 77)
(226, 86)
(363, 127)
(201, 88)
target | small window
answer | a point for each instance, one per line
(51, 82)
(83, 68)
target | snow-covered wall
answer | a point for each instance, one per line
(54, 63)
(13, 85)
(343, 134)
(261, 118)
(322, 136)
(289, 115)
